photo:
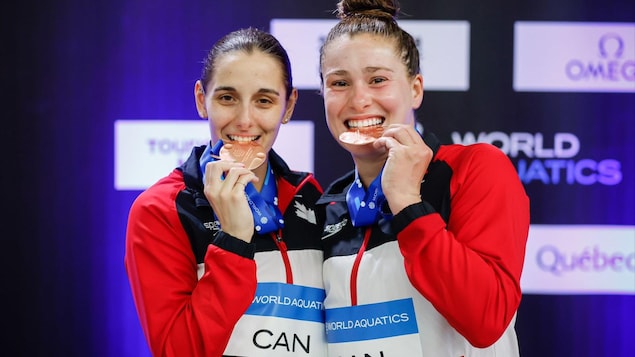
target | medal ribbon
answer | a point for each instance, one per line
(263, 204)
(364, 206)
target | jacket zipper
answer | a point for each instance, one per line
(277, 237)
(282, 246)
(355, 269)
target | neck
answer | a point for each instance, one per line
(368, 169)
(261, 173)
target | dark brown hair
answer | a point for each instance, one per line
(376, 17)
(248, 40)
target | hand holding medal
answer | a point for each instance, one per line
(266, 215)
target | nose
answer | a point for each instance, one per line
(360, 97)
(244, 116)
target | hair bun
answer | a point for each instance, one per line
(370, 8)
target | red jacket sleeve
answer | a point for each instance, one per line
(181, 315)
(470, 271)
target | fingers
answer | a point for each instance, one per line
(407, 161)
(403, 134)
(224, 188)
(399, 137)
(224, 175)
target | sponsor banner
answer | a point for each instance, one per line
(579, 259)
(574, 57)
(444, 47)
(550, 159)
(147, 150)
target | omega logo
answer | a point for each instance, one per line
(609, 67)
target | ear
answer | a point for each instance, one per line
(417, 91)
(288, 112)
(199, 98)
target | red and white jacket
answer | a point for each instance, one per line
(441, 278)
(193, 284)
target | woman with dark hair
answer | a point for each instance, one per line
(424, 243)
(223, 254)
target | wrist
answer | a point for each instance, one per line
(235, 245)
(410, 213)
(397, 204)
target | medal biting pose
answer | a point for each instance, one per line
(424, 243)
(223, 254)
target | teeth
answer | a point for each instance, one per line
(242, 139)
(364, 123)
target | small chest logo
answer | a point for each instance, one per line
(305, 213)
(332, 229)
(212, 226)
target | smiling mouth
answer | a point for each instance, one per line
(365, 124)
(243, 139)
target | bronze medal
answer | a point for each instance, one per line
(250, 154)
(363, 136)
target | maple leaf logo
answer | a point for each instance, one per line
(304, 213)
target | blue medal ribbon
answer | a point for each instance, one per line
(365, 206)
(263, 204)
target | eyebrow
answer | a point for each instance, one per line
(341, 72)
(268, 91)
(261, 90)
(375, 69)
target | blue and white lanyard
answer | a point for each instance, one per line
(365, 206)
(263, 204)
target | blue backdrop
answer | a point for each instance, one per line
(71, 68)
